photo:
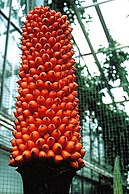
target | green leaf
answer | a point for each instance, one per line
(117, 179)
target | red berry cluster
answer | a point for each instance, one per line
(47, 120)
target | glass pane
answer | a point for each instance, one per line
(3, 29)
(19, 10)
(96, 32)
(92, 67)
(116, 17)
(11, 73)
(5, 137)
(80, 38)
(10, 180)
(4, 5)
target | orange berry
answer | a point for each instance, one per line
(56, 86)
(40, 142)
(31, 86)
(57, 100)
(42, 129)
(29, 97)
(74, 139)
(19, 160)
(45, 57)
(31, 127)
(38, 122)
(46, 121)
(41, 111)
(70, 127)
(30, 144)
(35, 152)
(26, 155)
(14, 148)
(63, 140)
(57, 148)
(51, 128)
(24, 105)
(51, 41)
(25, 137)
(48, 66)
(12, 163)
(73, 121)
(78, 146)
(52, 94)
(46, 136)
(41, 100)
(56, 121)
(19, 110)
(73, 113)
(23, 124)
(48, 85)
(26, 113)
(58, 76)
(43, 76)
(41, 70)
(18, 141)
(62, 128)
(74, 165)
(81, 162)
(68, 134)
(44, 93)
(58, 159)
(31, 64)
(60, 94)
(30, 119)
(57, 68)
(66, 155)
(24, 130)
(38, 47)
(42, 155)
(65, 120)
(70, 146)
(50, 113)
(15, 154)
(55, 107)
(49, 102)
(42, 40)
(45, 148)
(60, 113)
(20, 118)
(16, 134)
(56, 134)
(40, 84)
(75, 156)
(34, 136)
(50, 154)
(53, 60)
(50, 141)
(62, 105)
(82, 152)
(33, 71)
(21, 148)
(51, 75)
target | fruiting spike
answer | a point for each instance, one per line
(47, 120)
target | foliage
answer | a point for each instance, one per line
(114, 122)
(117, 179)
(113, 65)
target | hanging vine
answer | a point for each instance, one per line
(114, 64)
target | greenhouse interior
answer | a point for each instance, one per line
(100, 43)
